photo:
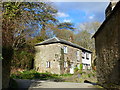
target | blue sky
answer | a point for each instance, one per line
(80, 12)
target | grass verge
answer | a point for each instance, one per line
(35, 75)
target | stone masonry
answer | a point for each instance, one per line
(59, 61)
(53, 53)
(107, 43)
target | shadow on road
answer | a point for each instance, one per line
(86, 81)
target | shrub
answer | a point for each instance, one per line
(89, 75)
(76, 69)
(66, 74)
(23, 57)
(81, 66)
(81, 72)
(34, 75)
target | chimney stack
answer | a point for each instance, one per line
(110, 7)
(71, 38)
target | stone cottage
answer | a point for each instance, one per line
(58, 56)
(107, 43)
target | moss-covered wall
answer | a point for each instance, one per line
(107, 44)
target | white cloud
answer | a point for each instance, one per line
(61, 14)
(91, 17)
(66, 20)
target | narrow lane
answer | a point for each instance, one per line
(50, 84)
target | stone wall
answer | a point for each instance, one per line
(71, 57)
(107, 44)
(46, 53)
(110, 7)
(55, 54)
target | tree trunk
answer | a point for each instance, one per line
(7, 53)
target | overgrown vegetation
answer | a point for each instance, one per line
(23, 58)
(80, 76)
(35, 75)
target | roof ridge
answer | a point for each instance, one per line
(57, 38)
(75, 44)
(47, 40)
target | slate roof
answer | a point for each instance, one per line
(58, 40)
(117, 7)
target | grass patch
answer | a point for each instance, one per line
(97, 86)
(35, 75)
(65, 75)
(78, 77)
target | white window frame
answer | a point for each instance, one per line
(65, 64)
(87, 56)
(65, 49)
(84, 66)
(83, 54)
(78, 55)
(48, 64)
(78, 66)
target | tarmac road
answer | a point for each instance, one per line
(38, 84)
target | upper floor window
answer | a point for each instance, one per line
(78, 55)
(83, 54)
(48, 64)
(87, 55)
(65, 49)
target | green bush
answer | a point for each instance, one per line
(89, 75)
(81, 72)
(66, 75)
(23, 57)
(76, 69)
(81, 66)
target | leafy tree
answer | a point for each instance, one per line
(23, 58)
(53, 30)
(10, 13)
(85, 32)
(84, 35)
(18, 24)
(83, 38)
(25, 18)
(46, 16)
(66, 25)
(91, 27)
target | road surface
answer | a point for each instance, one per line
(36, 84)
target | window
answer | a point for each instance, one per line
(48, 64)
(83, 55)
(65, 49)
(78, 55)
(83, 66)
(87, 56)
(88, 67)
(65, 64)
(78, 65)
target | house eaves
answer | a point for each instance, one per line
(58, 40)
